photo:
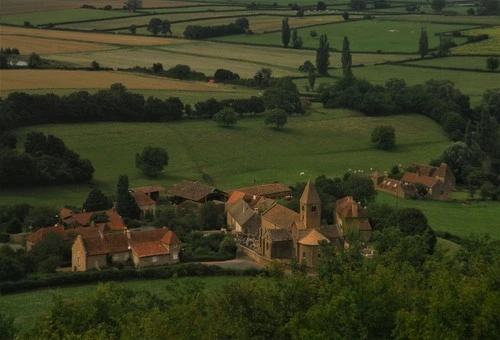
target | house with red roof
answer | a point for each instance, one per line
(350, 215)
(113, 220)
(143, 248)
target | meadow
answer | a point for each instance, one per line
(471, 83)
(489, 46)
(458, 217)
(62, 15)
(469, 62)
(60, 79)
(28, 307)
(364, 36)
(326, 142)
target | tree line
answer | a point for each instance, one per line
(45, 160)
(240, 26)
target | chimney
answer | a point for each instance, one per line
(127, 232)
(355, 210)
(100, 233)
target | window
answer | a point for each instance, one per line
(267, 246)
(302, 208)
(175, 256)
(304, 255)
(313, 208)
(155, 259)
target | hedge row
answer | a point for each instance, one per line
(208, 257)
(94, 276)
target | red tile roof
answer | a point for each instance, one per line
(410, 177)
(106, 244)
(149, 249)
(234, 197)
(272, 189)
(312, 238)
(170, 238)
(113, 225)
(146, 235)
(310, 195)
(84, 217)
(142, 199)
(40, 234)
(348, 207)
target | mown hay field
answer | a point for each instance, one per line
(144, 20)
(364, 36)
(58, 79)
(471, 83)
(326, 142)
(478, 63)
(278, 56)
(62, 15)
(27, 45)
(24, 6)
(145, 57)
(115, 39)
(490, 46)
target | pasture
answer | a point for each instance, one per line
(470, 83)
(326, 142)
(364, 36)
(442, 19)
(62, 15)
(25, 6)
(62, 79)
(28, 307)
(478, 63)
(456, 217)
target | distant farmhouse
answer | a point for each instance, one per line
(437, 183)
(143, 248)
(146, 198)
(195, 191)
(281, 233)
(273, 190)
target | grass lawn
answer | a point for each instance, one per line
(27, 307)
(478, 63)
(364, 36)
(454, 217)
(470, 83)
(326, 142)
(62, 15)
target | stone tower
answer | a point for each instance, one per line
(310, 207)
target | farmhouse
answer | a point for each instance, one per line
(66, 234)
(349, 214)
(114, 220)
(435, 183)
(194, 191)
(143, 248)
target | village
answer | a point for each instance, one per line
(263, 227)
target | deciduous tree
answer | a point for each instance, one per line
(384, 137)
(276, 117)
(492, 63)
(151, 161)
(96, 200)
(226, 117)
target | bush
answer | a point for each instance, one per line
(384, 137)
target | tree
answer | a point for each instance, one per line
(243, 23)
(361, 188)
(133, 29)
(208, 216)
(285, 32)
(283, 94)
(226, 117)
(311, 77)
(296, 40)
(277, 117)
(445, 44)
(321, 6)
(358, 4)
(96, 200)
(95, 65)
(151, 161)
(35, 61)
(165, 27)
(8, 139)
(438, 5)
(313, 34)
(423, 43)
(384, 137)
(125, 203)
(263, 77)
(492, 63)
(346, 59)
(345, 15)
(323, 55)
(42, 216)
(133, 5)
(155, 26)
(307, 66)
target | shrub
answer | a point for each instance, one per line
(384, 137)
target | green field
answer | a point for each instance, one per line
(326, 142)
(364, 36)
(463, 19)
(454, 217)
(478, 63)
(192, 9)
(63, 15)
(470, 83)
(27, 307)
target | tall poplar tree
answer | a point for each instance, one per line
(323, 55)
(346, 59)
(423, 43)
(285, 32)
(125, 203)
